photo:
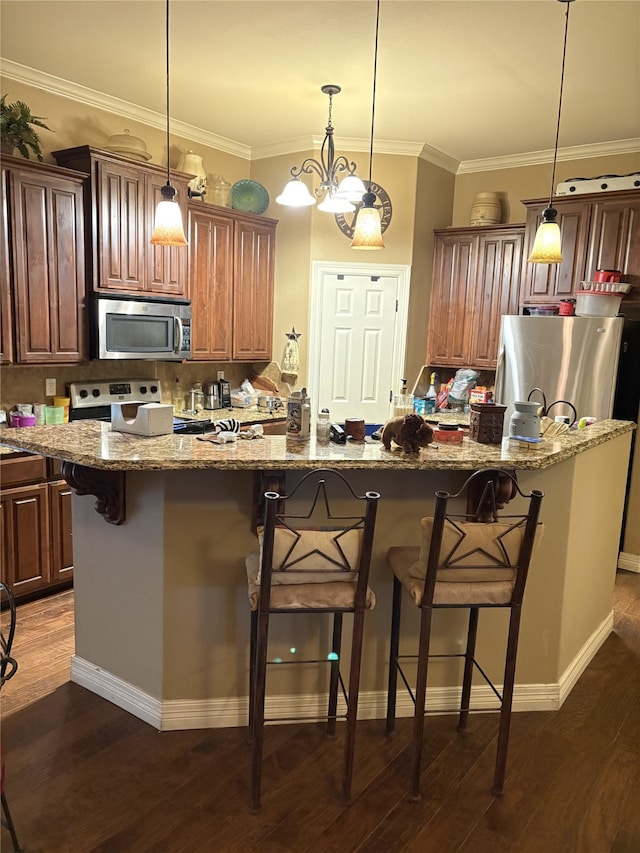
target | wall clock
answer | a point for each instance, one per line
(346, 221)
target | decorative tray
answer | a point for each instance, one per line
(249, 197)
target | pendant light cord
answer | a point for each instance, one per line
(167, 58)
(373, 100)
(564, 54)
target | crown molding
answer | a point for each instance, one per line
(439, 158)
(57, 86)
(342, 143)
(535, 158)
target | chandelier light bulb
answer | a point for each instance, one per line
(351, 188)
(296, 194)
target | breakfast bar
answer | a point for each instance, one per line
(162, 617)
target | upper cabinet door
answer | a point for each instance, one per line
(551, 282)
(121, 231)
(6, 301)
(452, 294)
(166, 265)
(615, 240)
(254, 251)
(210, 284)
(497, 292)
(48, 266)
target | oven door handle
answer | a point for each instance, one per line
(179, 333)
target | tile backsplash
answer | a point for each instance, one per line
(26, 384)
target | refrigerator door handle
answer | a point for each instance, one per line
(499, 388)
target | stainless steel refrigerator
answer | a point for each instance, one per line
(593, 362)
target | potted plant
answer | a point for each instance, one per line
(16, 129)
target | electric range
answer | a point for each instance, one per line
(92, 401)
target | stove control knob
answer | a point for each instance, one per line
(84, 393)
(143, 389)
(154, 389)
(96, 392)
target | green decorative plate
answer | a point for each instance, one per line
(249, 197)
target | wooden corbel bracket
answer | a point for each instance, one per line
(107, 486)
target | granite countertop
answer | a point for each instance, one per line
(93, 444)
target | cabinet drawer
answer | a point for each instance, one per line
(25, 469)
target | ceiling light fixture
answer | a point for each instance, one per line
(368, 231)
(168, 229)
(547, 248)
(336, 197)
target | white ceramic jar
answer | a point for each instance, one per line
(525, 421)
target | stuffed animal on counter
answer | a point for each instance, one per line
(410, 432)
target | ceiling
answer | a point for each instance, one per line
(472, 79)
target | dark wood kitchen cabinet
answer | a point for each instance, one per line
(476, 279)
(231, 273)
(6, 297)
(36, 551)
(615, 239)
(599, 231)
(122, 196)
(43, 275)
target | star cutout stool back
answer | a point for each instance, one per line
(315, 552)
(474, 559)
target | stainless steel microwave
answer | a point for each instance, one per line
(144, 327)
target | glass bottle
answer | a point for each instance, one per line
(323, 426)
(403, 402)
(178, 397)
(431, 395)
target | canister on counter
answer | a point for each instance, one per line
(567, 307)
(299, 415)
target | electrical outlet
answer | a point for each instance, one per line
(50, 387)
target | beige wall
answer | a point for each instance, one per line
(526, 182)
(74, 123)
(433, 207)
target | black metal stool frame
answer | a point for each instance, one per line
(8, 667)
(486, 484)
(275, 514)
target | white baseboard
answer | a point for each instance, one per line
(629, 562)
(182, 714)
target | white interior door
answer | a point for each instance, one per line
(358, 333)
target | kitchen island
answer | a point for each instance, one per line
(162, 617)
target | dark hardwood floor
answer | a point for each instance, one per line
(83, 775)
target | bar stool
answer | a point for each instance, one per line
(313, 559)
(474, 559)
(8, 667)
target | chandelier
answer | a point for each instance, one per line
(336, 196)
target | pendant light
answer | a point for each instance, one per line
(168, 229)
(368, 230)
(547, 244)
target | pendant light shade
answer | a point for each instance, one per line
(367, 233)
(368, 230)
(547, 245)
(168, 229)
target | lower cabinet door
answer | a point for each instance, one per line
(25, 563)
(61, 537)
